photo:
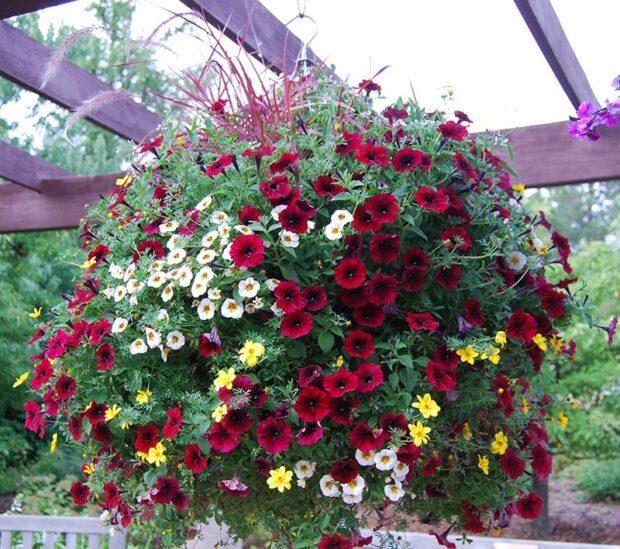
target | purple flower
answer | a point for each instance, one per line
(615, 84)
(611, 331)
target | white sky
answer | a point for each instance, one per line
(482, 48)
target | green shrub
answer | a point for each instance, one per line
(600, 479)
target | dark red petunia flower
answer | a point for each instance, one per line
(390, 421)
(180, 500)
(221, 440)
(99, 253)
(147, 437)
(446, 357)
(435, 201)
(35, 420)
(440, 376)
(363, 220)
(382, 289)
(542, 462)
(194, 459)
(430, 467)
(448, 277)
(96, 412)
(57, 345)
(277, 187)
(111, 494)
(289, 297)
(99, 330)
(219, 165)
(407, 159)
(105, 357)
(340, 383)
(310, 434)
(80, 493)
(473, 312)
(426, 163)
(65, 387)
(552, 302)
(412, 279)
(248, 213)
(344, 470)
(208, 345)
(241, 386)
(284, 162)
(258, 153)
(350, 273)
(309, 375)
(102, 433)
(563, 247)
(369, 86)
(373, 155)
(334, 541)
(295, 219)
(369, 377)
(312, 404)
(352, 142)
(315, 298)
(274, 435)
(237, 421)
(416, 258)
(422, 321)
(148, 248)
(257, 396)
(409, 453)
(353, 298)
(173, 424)
(529, 506)
(75, 426)
(152, 145)
(247, 251)
(359, 344)
(456, 238)
(512, 464)
(296, 324)
(365, 439)
(324, 186)
(474, 526)
(341, 409)
(453, 130)
(384, 248)
(164, 490)
(521, 326)
(369, 315)
(43, 373)
(393, 114)
(383, 207)
(52, 403)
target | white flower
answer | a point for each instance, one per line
(156, 280)
(176, 256)
(218, 217)
(206, 256)
(365, 458)
(156, 266)
(153, 338)
(516, 261)
(258, 303)
(116, 271)
(133, 300)
(352, 499)
(204, 203)
(226, 253)
(275, 213)
(333, 231)
(205, 275)
(168, 227)
(276, 310)
(248, 287)
(162, 315)
(164, 353)
(173, 241)
(119, 325)
(304, 469)
(243, 229)
(311, 225)
(515, 204)
(108, 292)
(198, 288)
(301, 482)
(214, 294)
(184, 276)
(224, 231)
(249, 308)
(289, 239)
(175, 340)
(133, 286)
(168, 293)
(341, 218)
(272, 284)
(329, 486)
(129, 272)
(231, 309)
(209, 239)
(138, 347)
(385, 460)
(119, 293)
(394, 491)
(400, 470)
(354, 487)
(206, 309)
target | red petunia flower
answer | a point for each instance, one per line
(296, 324)
(294, 218)
(359, 344)
(111, 494)
(416, 258)
(237, 421)
(422, 321)
(209, 344)
(354, 297)
(247, 251)
(148, 248)
(391, 421)
(352, 142)
(440, 376)
(147, 437)
(43, 373)
(393, 114)
(453, 130)
(521, 326)
(407, 159)
(350, 273)
(373, 155)
(369, 315)
(80, 493)
(234, 487)
(248, 213)
(426, 163)
(340, 383)
(289, 297)
(512, 464)
(324, 186)
(194, 459)
(382, 289)
(409, 453)
(384, 248)
(369, 86)
(335, 541)
(164, 490)
(365, 439)
(363, 220)
(75, 426)
(463, 165)
(65, 387)
(448, 277)
(369, 377)
(344, 470)
(105, 357)
(277, 187)
(219, 165)
(412, 279)
(432, 464)
(312, 404)
(57, 345)
(542, 462)
(173, 424)
(315, 298)
(99, 330)
(563, 247)
(456, 238)
(552, 302)
(435, 201)
(383, 207)
(284, 162)
(473, 312)
(309, 375)
(221, 440)
(529, 506)
(274, 435)
(258, 153)
(341, 409)
(310, 434)
(180, 500)
(35, 420)
(96, 412)
(102, 433)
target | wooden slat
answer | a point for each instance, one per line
(27, 540)
(547, 30)
(5, 540)
(71, 541)
(50, 540)
(24, 169)
(22, 60)
(59, 206)
(93, 541)
(118, 540)
(11, 8)
(260, 32)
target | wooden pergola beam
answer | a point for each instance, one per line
(547, 30)
(60, 205)
(23, 60)
(25, 169)
(11, 8)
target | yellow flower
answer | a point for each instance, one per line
(419, 433)
(111, 413)
(556, 343)
(89, 263)
(518, 188)
(500, 444)
(143, 396)
(337, 126)
(468, 354)
(142, 455)
(89, 469)
(526, 406)
(53, 443)
(251, 352)
(543, 250)
(467, 431)
(340, 361)
(575, 404)
(156, 454)
(500, 338)
(126, 425)
(180, 141)
(426, 406)
(21, 379)
(483, 464)
(36, 313)
(123, 181)
(219, 413)
(280, 479)
(492, 355)
(225, 378)
(563, 419)
(541, 341)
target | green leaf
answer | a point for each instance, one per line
(289, 273)
(393, 379)
(406, 360)
(326, 342)
(296, 349)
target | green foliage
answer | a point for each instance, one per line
(600, 479)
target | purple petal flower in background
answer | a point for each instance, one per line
(611, 331)
(582, 126)
(615, 84)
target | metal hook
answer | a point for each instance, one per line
(303, 62)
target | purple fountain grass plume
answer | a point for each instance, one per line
(95, 103)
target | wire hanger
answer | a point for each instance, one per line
(303, 63)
